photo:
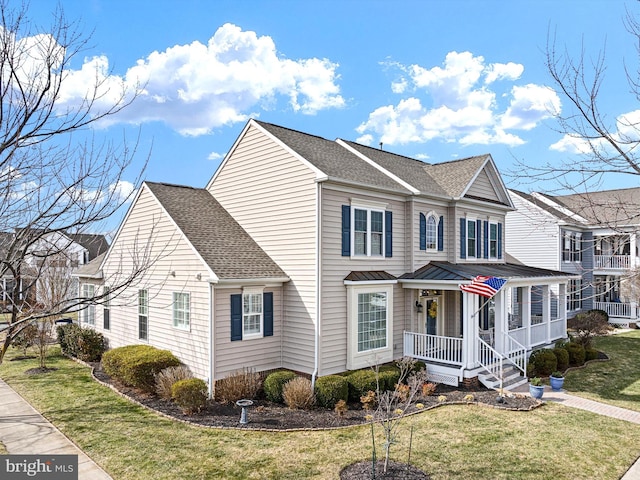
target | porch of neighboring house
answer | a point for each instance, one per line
(613, 298)
(462, 336)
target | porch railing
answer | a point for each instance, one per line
(433, 348)
(616, 309)
(516, 353)
(621, 262)
(490, 360)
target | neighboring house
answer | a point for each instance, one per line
(595, 235)
(323, 256)
(46, 265)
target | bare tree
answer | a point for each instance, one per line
(56, 175)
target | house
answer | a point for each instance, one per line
(40, 265)
(594, 235)
(322, 256)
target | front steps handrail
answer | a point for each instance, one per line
(491, 360)
(516, 353)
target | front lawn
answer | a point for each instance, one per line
(616, 381)
(450, 442)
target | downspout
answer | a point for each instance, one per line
(211, 362)
(318, 294)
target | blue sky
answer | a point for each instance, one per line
(436, 80)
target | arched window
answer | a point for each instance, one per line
(432, 232)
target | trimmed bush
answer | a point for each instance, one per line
(591, 354)
(330, 389)
(90, 345)
(544, 361)
(68, 338)
(274, 383)
(137, 365)
(388, 378)
(576, 353)
(167, 377)
(298, 394)
(361, 382)
(419, 366)
(241, 384)
(190, 395)
(562, 356)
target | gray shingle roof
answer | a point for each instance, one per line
(545, 206)
(91, 269)
(609, 207)
(454, 177)
(462, 272)
(369, 276)
(95, 244)
(224, 245)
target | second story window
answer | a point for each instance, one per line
(368, 232)
(431, 233)
(493, 240)
(572, 247)
(471, 238)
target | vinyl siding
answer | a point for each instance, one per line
(482, 187)
(532, 235)
(272, 195)
(476, 213)
(335, 268)
(422, 257)
(147, 229)
(257, 353)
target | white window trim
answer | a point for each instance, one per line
(493, 257)
(187, 322)
(430, 215)
(368, 358)
(368, 208)
(475, 237)
(146, 314)
(89, 311)
(253, 291)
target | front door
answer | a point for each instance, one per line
(432, 315)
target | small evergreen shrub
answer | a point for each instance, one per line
(388, 378)
(591, 354)
(137, 365)
(419, 366)
(26, 338)
(562, 356)
(167, 377)
(241, 384)
(544, 361)
(90, 345)
(360, 382)
(190, 395)
(68, 338)
(274, 383)
(298, 394)
(576, 353)
(331, 389)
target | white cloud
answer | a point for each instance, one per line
(571, 144)
(399, 86)
(195, 88)
(215, 156)
(453, 103)
(123, 190)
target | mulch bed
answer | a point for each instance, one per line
(265, 415)
(396, 470)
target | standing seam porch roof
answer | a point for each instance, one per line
(465, 272)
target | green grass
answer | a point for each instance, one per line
(450, 442)
(617, 381)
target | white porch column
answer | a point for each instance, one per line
(633, 242)
(470, 329)
(562, 304)
(526, 313)
(501, 321)
(546, 311)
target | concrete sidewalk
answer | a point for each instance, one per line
(24, 431)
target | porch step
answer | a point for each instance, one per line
(512, 378)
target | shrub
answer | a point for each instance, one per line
(388, 378)
(544, 361)
(137, 365)
(361, 382)
(274, 382)
(368, 400)
(331, 389)
(428, 389)
(241, 384)
(68, 338)
(90, 345)
(419, 365)
(562, 356)
(167, 377)
(298, 394)
(190, 395)
(341, 408)
(591, 354)
(588, 325)
(26, 338)
(576, 353)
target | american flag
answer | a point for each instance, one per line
(485, 286)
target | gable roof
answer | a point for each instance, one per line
(222, 243)
(608, 207)
(546, 206)
(94, 243)
(91, 269)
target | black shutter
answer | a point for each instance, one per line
(486, 239)
(499, 240)
(441, 234)
(478, 238)
(388, 234)
(463, 238)
(423, 232)
(267, 300)
(346, 230)
(236, 317)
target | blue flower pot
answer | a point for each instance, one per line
(556, 383)
(535, 391)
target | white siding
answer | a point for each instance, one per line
(532, 235)
(272, 195)
(149, 232)
(422, 257)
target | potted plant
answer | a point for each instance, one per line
(536, 389)
(557, 380)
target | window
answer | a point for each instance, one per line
(432, 233)
(181, 310)
(251, 314)
(471, 238)
(372, 321)
(493, 240)
(368, 238)
(143, 314)
(574, 296)
(106, 313)
(88, 315)
(571, 247)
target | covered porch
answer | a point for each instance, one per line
(463, 336)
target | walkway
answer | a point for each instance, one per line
(24, 431)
